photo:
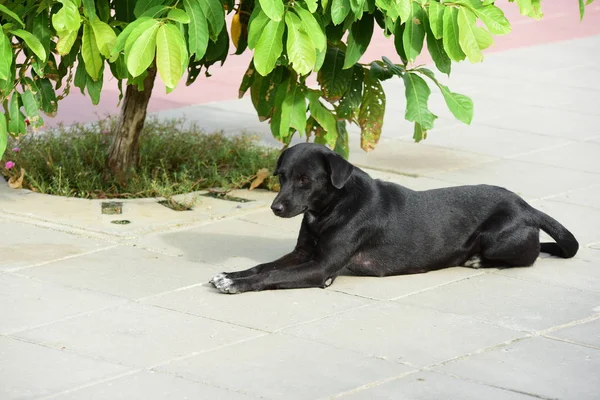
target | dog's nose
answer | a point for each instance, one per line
(277, 208)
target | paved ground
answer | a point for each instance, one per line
(94, 310)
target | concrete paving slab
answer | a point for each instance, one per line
(562, 123)
(393, 287)
(404, 333)
(588, 197)
(278, 366)
(581, 273)
(231, 244)
(151, 385)
(415, 158)
(582, 221)
(587, 334)
(524, 178)
(138, 335)
(542, 367)
(268, 219)
(24, 245)
(29, 302)
(125, 271)
(30, 371)
(495, 142)
(580, 156)
(144, 215)
(435, 386)
(512, 303)
(268, 310)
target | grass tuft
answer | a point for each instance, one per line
(175, 159)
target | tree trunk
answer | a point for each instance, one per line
(124, 151)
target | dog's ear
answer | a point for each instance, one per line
(276, 172)
(339, 169)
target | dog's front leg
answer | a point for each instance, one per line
(317, 272)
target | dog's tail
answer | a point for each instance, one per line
(566, 245)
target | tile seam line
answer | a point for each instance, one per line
(69, 257)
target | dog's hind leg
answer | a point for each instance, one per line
(512, 246)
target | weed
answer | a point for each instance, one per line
(175, 158)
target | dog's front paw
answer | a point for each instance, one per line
(225, 284)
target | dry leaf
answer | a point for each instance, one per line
(17, 183)
(261, 175)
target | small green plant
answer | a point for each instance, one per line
(175, 159)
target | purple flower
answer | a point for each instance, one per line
(9, 165)
(16, 149)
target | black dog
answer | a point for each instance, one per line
(378, 228)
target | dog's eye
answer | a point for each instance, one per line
(304, 179)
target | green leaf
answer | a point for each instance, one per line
(466, 37)
(437, 52)
(124, 10)
(264, 93)
(312, 5)
(350, 103)
(414, 32)
(357, 8)
(142, 51)
(32, 42)
(269, 47)
(581, 9)
(339, 11)
(124, 35)
(483, 37)
(293, 110)
(177, 14)
(4, 10)
(103, 9)
(436, 18)
(273, 8)
(213, 10)
(6, 56)
(141, 6)
(358, 40)
(89, 9)
(247, 80)
(105, 37)
(156, 12)
(451, 35)
(342, 144)
(80, 75)
(403, 8)
(324, 117)
(66, 39)
(31, 108)
(419, 133)
(94, 88)
(198, 29)
(313, 28)
(490, 15)
(41, 29)
(372, 110)
(525, 7)
(417, 95)
(170, 54)
(459, 105)
(334, 80)
(91, 54)
(67, 18)
(256, 26)
(3, 134)
(49, 103)
(16, 124)
(300, 48)
(399, 42)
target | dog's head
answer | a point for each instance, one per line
(309, 177)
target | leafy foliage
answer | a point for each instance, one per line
(47, 46)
